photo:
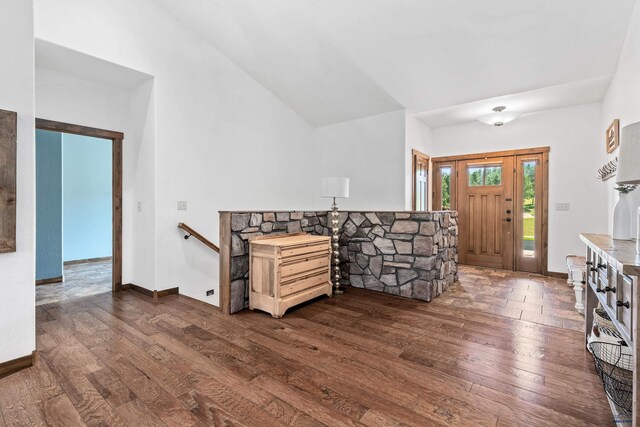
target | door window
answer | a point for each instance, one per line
(484, 175)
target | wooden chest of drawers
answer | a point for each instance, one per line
(287, 270)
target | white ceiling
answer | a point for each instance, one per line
(548, 98)
(336, 60)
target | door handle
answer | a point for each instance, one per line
(507, 219)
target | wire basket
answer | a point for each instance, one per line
(604, 324)
(615, 369)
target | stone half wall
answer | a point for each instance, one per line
(411, 254)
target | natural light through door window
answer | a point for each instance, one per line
(529, 208)
(445, 185)
(484, 175)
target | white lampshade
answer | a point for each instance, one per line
(629, 155)
(499, 116)
(335, 187)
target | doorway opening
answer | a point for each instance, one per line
(78, 211)
(502, 203)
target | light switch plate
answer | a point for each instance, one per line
(182, 205)
(563, 207)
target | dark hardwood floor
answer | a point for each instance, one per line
(478, 355)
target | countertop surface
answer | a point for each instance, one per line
(621, 253)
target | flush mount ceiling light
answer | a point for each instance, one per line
(499, 117)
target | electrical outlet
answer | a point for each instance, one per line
(210, 292)
(139, 206)
(563, 207)
(182, 205)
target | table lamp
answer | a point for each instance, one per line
(629, 163)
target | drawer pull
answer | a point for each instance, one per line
(600, 290)
(608, 289)
(602, 265)
(593, 269)
(589, 263)
(622, 304)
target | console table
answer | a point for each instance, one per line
(613, 268)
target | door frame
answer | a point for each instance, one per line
(116, 185)
(544, 152)
(415, 156)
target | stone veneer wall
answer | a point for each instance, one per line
(411, 254)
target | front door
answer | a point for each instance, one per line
(485, 206)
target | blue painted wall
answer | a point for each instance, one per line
(86, 197)
(48, 204)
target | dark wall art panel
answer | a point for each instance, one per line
(8, 136)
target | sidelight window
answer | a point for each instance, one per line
(529, 208)
(445, 187)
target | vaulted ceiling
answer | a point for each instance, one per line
(337, 60)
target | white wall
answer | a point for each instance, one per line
(370, 152)
(575, 139)
(622, 102)
(17, 269)
(138, 182)
(66, 98)
(220, 140)
(418, 136)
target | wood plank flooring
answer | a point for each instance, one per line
(82, 279)
(467, 358)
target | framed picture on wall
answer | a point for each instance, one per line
(612, 137)
(8, 135)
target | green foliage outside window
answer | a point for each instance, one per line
(485, 175)
(446, 188)
(493, 175)
(476, 177)
(529, 202)
(529, 190)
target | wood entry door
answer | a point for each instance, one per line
(485, 206)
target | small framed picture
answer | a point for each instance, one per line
(612, 136)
